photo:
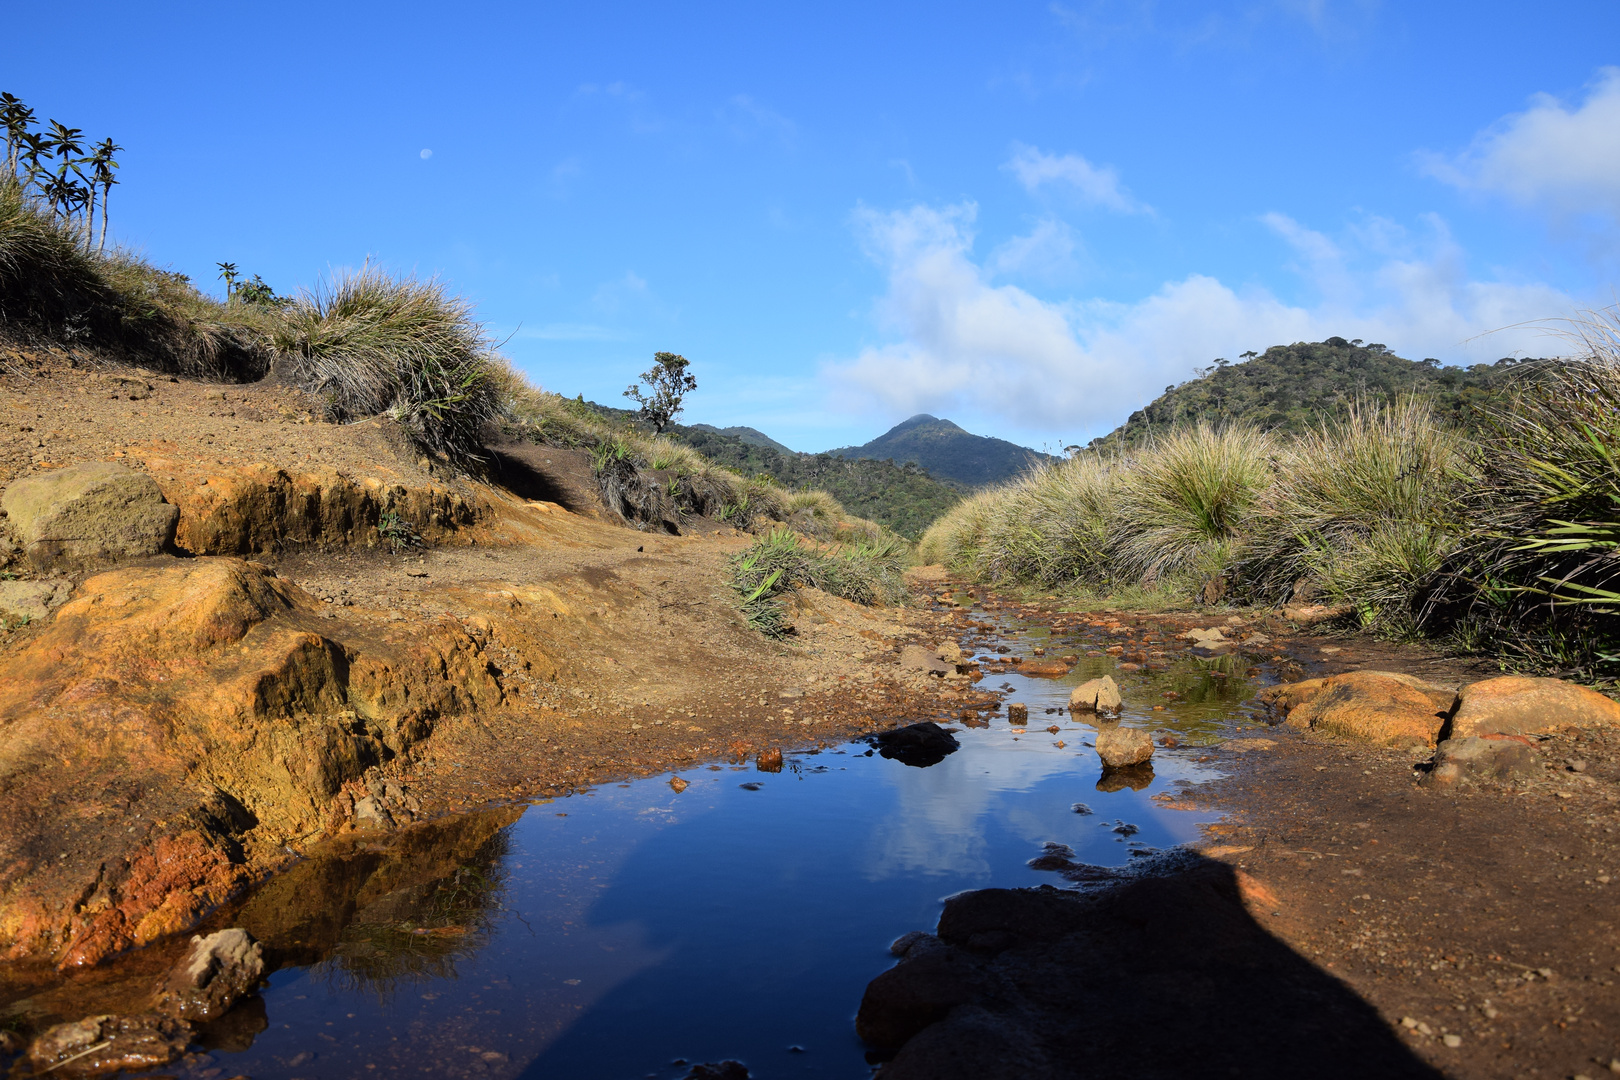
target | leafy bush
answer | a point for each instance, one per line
(373, 344)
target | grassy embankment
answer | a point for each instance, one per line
(1500, 535)
(371, 344)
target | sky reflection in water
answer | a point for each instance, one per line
(634, 926)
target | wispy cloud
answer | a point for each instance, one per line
(747, 119)
(1553, 157)
(1094, 184)
(960, 342)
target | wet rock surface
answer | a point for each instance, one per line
(1100, 696)
(104, 1045)
(218, 969)
(1384, 707)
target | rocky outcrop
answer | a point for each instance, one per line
(90, 514)
(260, 508)
(1383, 707)
(1100, 696)
(188, 702)
(1471, 758)
(1518, 705)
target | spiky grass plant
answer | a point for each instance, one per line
(958, 540)
(1053, 526)
(376, 344)
(1365, 509)
(1182, 505)
(864, 572)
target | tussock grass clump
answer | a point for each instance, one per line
(372, 344)
(1055, 525)
(1363, 510)
(864, 572)
(113, 305)
(958, 539)
(1187, 498)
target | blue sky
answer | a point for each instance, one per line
(1030, 218)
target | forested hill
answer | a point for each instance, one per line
(1292, 387)
(904, 498)
(948, 451)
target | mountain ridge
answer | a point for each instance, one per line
(948, 451)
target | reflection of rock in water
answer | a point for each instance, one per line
(377, 917)
(1135, 777)
(919, 745)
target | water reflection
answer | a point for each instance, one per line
(605, 936)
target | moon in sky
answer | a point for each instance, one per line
(426, 154)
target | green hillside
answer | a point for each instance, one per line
(904, 498)
(1292, 387)
(947, 451)
(751, 436)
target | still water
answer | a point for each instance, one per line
(634, 930)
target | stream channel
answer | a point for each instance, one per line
(632, 930)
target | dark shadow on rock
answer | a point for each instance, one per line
(1135, 777)
(1165, 975)
(918, 745)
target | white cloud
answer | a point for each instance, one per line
(1047, 252)
(1563, 160)
(1098, 185)
(962, 344)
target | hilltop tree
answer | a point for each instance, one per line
(667, 382)
(69, 185)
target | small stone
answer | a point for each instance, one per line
(1452, 1040)
(1017, 714)
(1123, 747)
(1100, 696)
(769, 760)
(1408, 1023)
(677, 784)
(1545, 973)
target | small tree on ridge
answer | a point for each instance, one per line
(667, 382)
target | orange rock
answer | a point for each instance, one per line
(1046, 669)
(1384, 707)
(769, 760)
(1519, 705)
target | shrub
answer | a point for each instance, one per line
(957, 540)
(1054, 526)
(1182, 507)
(375, 344)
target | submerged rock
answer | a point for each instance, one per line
(720, 1070)
(91, 513)
(1122, 747)
(1100, 696)
(219, 969)
(98, 1045)
(769, 760)
(919, 745)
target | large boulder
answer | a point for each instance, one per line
(1100, 696)
(1518, 705)
(1122, 747)
(219, 969)
(1384, 707)
(97, 512)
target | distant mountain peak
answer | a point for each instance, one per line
(948, 451)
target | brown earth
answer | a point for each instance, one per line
(189, 725)
(1345, 919)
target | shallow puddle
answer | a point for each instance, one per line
(634, 930)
